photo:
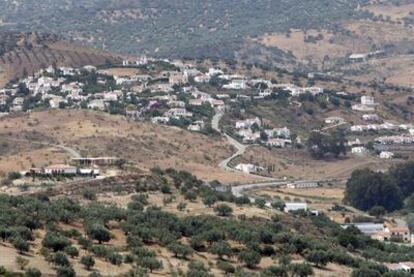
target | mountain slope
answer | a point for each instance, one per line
(184, 28)
(26, 53)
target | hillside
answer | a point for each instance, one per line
(169, 223)
(186, 28)
(27, 53)
(100, 134)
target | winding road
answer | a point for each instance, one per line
(238, 190)
(241, 148)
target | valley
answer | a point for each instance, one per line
(206, 138)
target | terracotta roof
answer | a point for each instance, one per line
(399, 230)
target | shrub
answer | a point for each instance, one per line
(20, 244)
(72, 251)
(60, 259)
(223, 210)
(98, 232)
(88, 262)
(151, 263)
(32, 272)
(55, 242)
(115, 258)
(250, 258)
(65, 271)
(22, 262)
(225, 267)
(180, 250)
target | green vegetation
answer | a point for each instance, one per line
(322, 145)
(369, 190)
(174, 28)
(230, 238)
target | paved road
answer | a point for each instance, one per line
(241, 148)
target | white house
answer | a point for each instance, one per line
(96, 104)
(334, 120)
(304, 185)
(160, 119)
(178, 78)
(386, 155)
(363, 108)
(368, 100)
(359, 150)
(368, 228)
(177, 113)
(278, 133)
(358, 57)
(237, 84)
(247, 168)
(244, 124)
(196, 126)
(202, 79)
(278, 142)
(215, 71)
(55, 101)
(60, 169)
(370, 117)
(291, 207)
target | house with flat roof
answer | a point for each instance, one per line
(293, 207)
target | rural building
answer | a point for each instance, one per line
(244, 124)
(370, 117)
(334, 120)
(399, 234)
(278, 142)
(367, 228)
(403, 267)
(304, 185)
(60, 169)
(359, 150)
(247, 168)
(101, 161)
(386, 155)
(292, 207)
(368, 100)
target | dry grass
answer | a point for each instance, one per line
(119, 71)
(8, 257)
(380, 32)
(47, 52)
(298, 164)
(101, 134)
(303, 50)
(396, 13)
